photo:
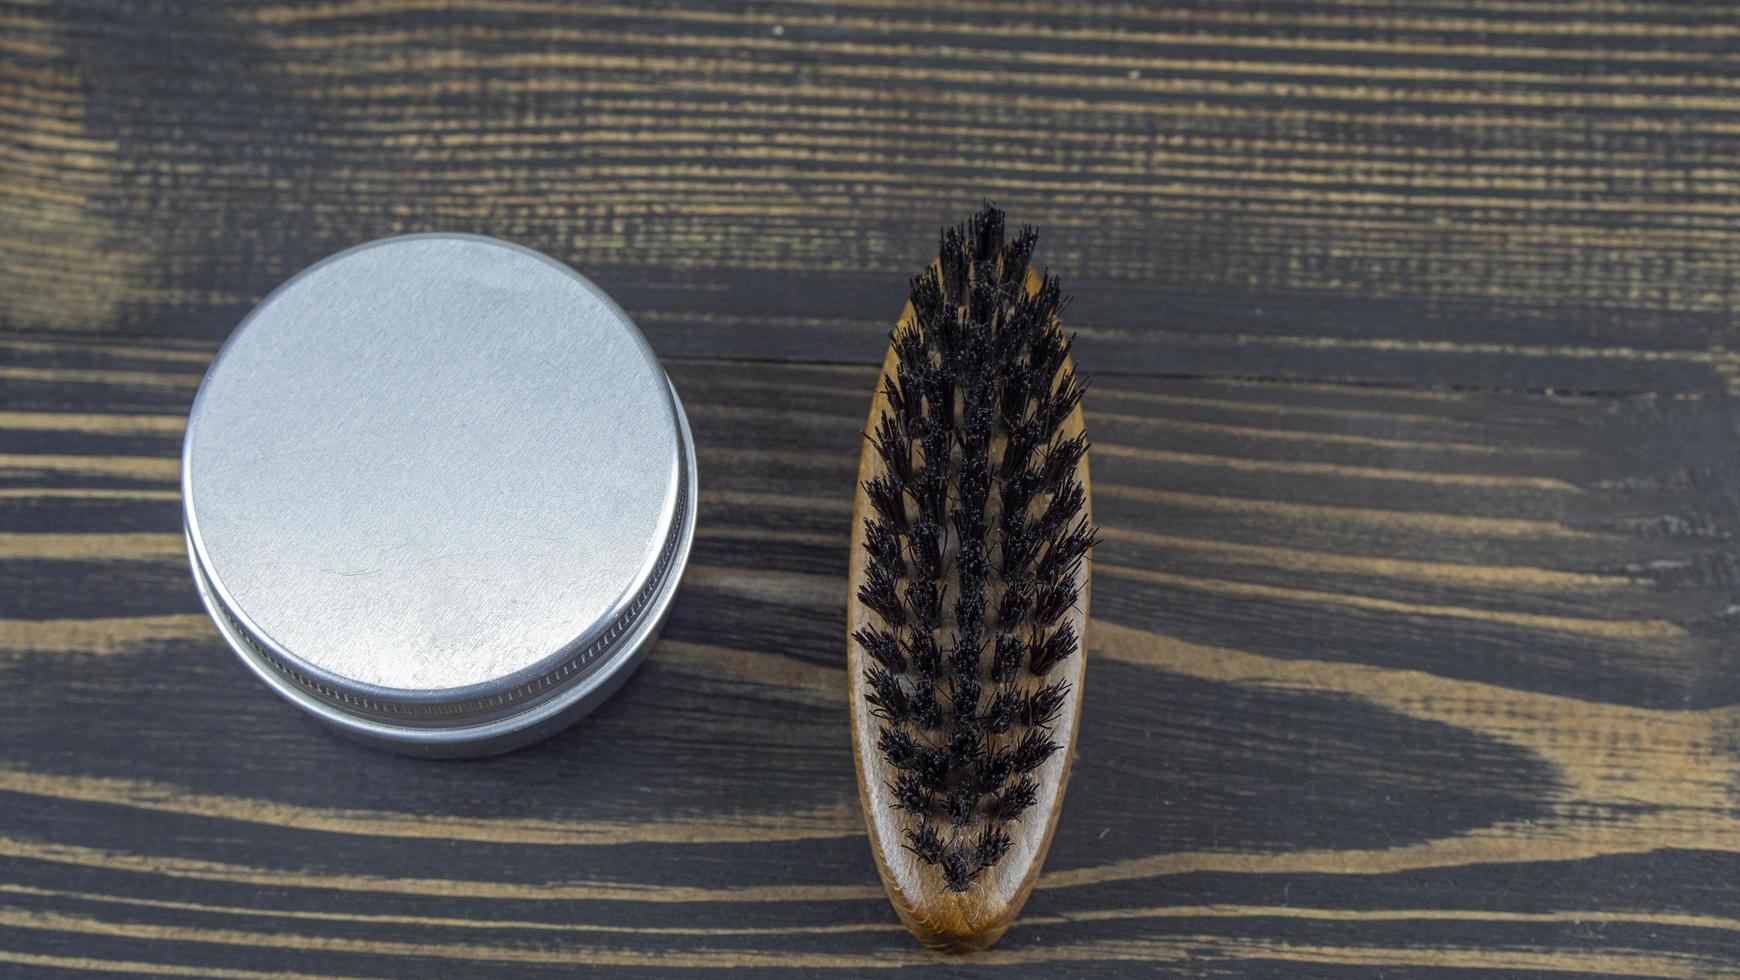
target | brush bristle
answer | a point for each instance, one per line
(974, 547)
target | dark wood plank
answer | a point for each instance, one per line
(1528, 195)
(1382, 681)
(1386, 678)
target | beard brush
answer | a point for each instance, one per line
(968, 590)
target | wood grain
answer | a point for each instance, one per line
(1414, 631)
(1536, 196)
(1339, 723)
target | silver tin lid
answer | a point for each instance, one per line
(438, 492)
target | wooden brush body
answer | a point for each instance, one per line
(940, 917)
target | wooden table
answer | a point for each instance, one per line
(1414, 633)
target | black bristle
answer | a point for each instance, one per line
(885, 495)
(881, 594)
(884, 547)
(987, 292)
(970, 610)
(909, 346)
(910, 795)
(1016, 798)
(926, 711)
(930, 485)
(961, 805)
(898, 747)
(971, 562)
(1054, 648)
(927, 296)
(1061, 461)
(978, 391)
(987, 234)
(1025, 438)
(1017, 597)
(1066, 503)
(1066, 551)
(939, 402)
(1016, 256)
(994, 768)
(887, 695)
(924, 602)
(974, 485)
(1018, 491)
(1017, 389)
(1011, 653)
(1054, 599)
(1060, 403)
(932, 768)
(1031, 752)
(925, 843)
(1003, 711)
(927, 548)
(975, 541)
(1041, 707)
(903, 398)
(958, 870)
(894, 448)
(926, 657)
(963, 697)
(964, 658)
(883, 647)
(1020, 546)
(952, 260)
(992, 844)
(910, 406)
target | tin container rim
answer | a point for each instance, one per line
(496, 713)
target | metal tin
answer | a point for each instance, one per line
(438, 492)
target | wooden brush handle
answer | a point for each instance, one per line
(941, 919)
